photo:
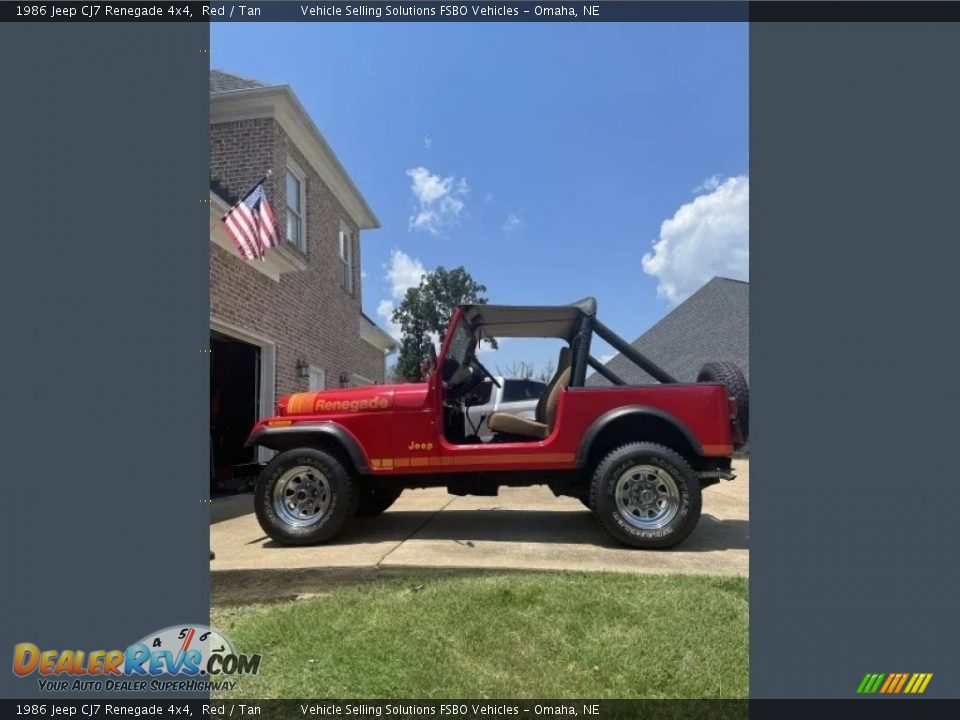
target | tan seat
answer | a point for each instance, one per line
(546, 412)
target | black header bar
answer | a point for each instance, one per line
(404, 11)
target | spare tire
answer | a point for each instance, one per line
(727, 373)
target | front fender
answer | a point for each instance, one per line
(285, 436)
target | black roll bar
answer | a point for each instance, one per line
(605, 371)
(624, 348)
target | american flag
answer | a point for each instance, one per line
(251, 225)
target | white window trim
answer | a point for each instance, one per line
(323, 375)
(346, 232)
(294, 169)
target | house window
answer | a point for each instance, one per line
(318, 379)
(295, 210)
(346, 260)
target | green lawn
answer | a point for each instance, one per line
(547, 635)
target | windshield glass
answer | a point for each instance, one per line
(460, 345)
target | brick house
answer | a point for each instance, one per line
(292, 321)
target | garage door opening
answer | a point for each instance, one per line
(234, 407)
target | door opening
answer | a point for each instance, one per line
(234, 407)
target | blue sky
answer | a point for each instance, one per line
(548, 159)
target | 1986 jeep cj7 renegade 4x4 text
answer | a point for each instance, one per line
(637, 456)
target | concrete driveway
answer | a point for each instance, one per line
(431, 531)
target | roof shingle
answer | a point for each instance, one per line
(221, 81)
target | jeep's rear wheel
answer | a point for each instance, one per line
(304, 496)
(646, 496)
(375, 501)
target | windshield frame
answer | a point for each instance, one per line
(458, 348)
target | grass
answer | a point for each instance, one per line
(548, 635)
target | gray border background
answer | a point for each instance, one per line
(104, 300)
(855, 251)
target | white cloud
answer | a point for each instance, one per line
(606, 357)
(706, 237)
(385, 313)
(427, 142)
(708, 185)
(401, 273)
(439, 200)
(512, 223)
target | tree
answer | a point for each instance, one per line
(546, 374)
(425, 312)
(516, 369)
(527, 371)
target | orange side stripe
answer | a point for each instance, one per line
(887, 683)
(431, 460)
(718, 449)
(903, 679)
(507, 459)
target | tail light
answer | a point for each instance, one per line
(734, 411)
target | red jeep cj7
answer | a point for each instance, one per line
(636, 456)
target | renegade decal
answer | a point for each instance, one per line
(314, 402)
(374, 403)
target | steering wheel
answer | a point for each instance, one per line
(484, 370)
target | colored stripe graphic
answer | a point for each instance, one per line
(894, 683)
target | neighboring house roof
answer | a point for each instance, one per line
(221, 81)
(712, 324)
(233, 98)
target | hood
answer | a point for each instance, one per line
(344, 401)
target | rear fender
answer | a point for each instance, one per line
(595, 433)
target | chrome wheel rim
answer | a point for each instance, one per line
(647, 497)
(301, 496)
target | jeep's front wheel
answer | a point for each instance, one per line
(304, 497)
(646, 496)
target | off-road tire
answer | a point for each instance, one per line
(343, 498)
(603, 501)
(727, 373)
(373, 502)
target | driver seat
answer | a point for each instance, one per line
(546, 413)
